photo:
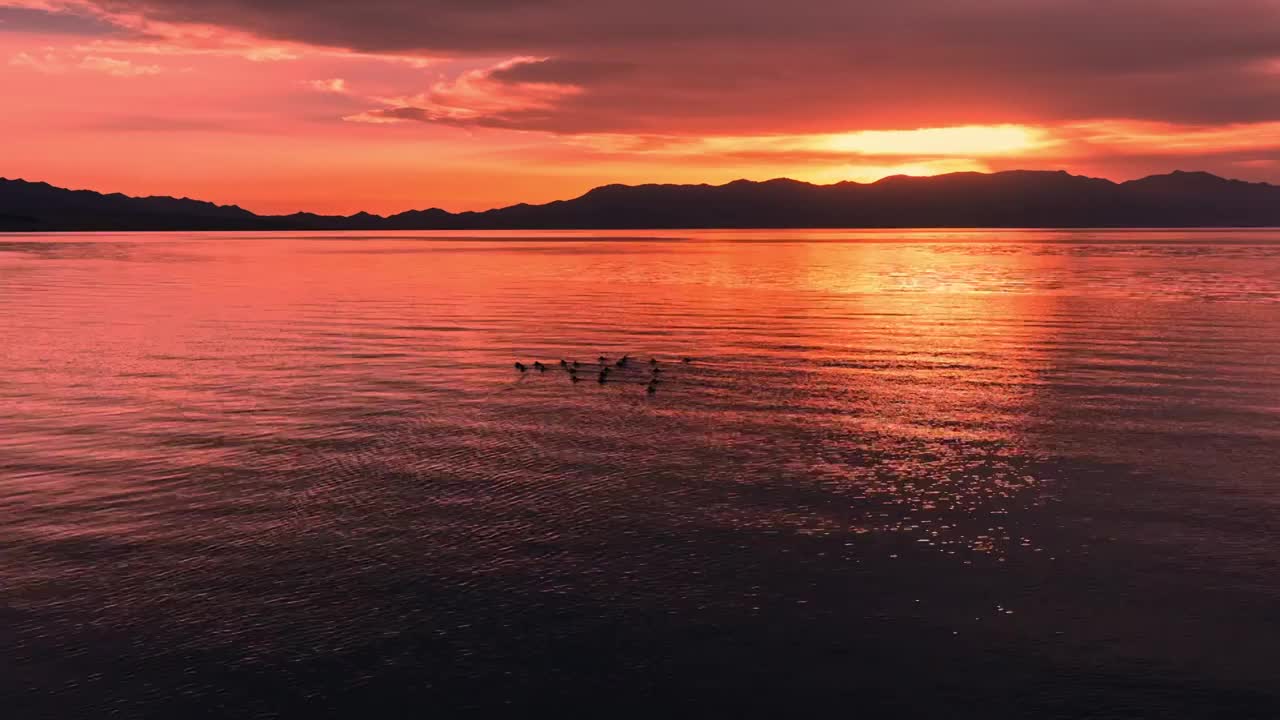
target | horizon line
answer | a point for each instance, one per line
(363, 213)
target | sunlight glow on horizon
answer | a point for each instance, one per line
(965, 141)
(874, 173)
(938, 142)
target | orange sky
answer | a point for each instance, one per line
(387, 105)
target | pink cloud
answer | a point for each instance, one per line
(118, 68)
(54, 63)
(477, 97)
(332, 85)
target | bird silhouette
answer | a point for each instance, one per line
(521, 367)
(539, 367)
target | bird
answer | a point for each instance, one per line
(651, 388)
(539, 366)
(657, 370)
(563, 364)
(574, 378)
(603, 377)
(575, 364)
(653, 362)
(622, 361)
(602, 359)
(520, 366)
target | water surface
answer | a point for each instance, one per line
(934, 474)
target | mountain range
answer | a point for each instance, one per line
(1018, 198)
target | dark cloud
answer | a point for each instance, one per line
(31, 20)
(403, 113)
(756, 65)
(503, 119)
(554, 70)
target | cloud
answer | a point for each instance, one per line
(52, 22)
(477, 97)
(377, 117)
(333, 85)
(117, 68)
(119, 30)
(568, 72)
(1171, 139)
(54, 64)
(47, 63)
(701, 66)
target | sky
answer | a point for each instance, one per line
(338, 106)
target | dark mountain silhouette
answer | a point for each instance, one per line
(1020, 198)
(40, 206)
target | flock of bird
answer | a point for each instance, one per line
(603, 368)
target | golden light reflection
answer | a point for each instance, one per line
(949, 389)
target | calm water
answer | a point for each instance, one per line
(922, 474)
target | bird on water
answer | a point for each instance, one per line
(622, 361)
(521, 366)
(539, 366)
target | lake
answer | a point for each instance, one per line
(904, 473)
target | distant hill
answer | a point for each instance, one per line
(1020, 198)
